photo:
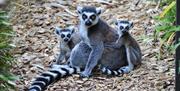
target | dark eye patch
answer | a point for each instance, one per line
(93, 17)
(127, 27)
(69, 35)
(62, 35)
(121, 27)
(84, 16)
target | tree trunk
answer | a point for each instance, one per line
(178, 48)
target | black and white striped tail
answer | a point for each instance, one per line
(107, 71)
(52, 75)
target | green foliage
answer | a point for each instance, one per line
(165, 30)
(6, 60)
(164, 2)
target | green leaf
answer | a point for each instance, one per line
(167, 9)
(6, 60)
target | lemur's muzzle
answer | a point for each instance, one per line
(66, 40)
(88, 23)
(124, 31)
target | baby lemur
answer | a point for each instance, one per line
(68, 38)
(133, 51)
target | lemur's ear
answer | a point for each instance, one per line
(116, 22)
(72, 28)
(57, 30)
(98, 11)
(131, 24)
(79, 9)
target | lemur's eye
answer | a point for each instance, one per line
(62, 35)
(93, 17)
(69, 35)
(116, 23)
(121, 27)
(127, 27)
(84, 16)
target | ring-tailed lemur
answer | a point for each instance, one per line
(95, 33)
(133, 50)
(68, 38)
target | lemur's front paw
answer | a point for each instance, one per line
(84, 75)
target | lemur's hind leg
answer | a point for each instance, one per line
(60, 57)
(112, 60)
(79, 55)
(130, 58)
(136, 52)
(93, 58)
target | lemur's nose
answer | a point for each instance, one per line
(65, 39)
(123, 30)
(88, 23)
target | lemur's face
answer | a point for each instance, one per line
(65, 34)
(123, 26)
(89, 16)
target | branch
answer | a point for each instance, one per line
(63, 7)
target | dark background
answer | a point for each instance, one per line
(178, 48)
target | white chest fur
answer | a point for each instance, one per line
(64, 46)
(120, 35)
(84, 34)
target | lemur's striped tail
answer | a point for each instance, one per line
(107, 71)
(52, 75)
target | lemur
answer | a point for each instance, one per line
(95, 33)
(68, 38)
(133, 51)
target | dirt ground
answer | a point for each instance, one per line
(34, 22)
